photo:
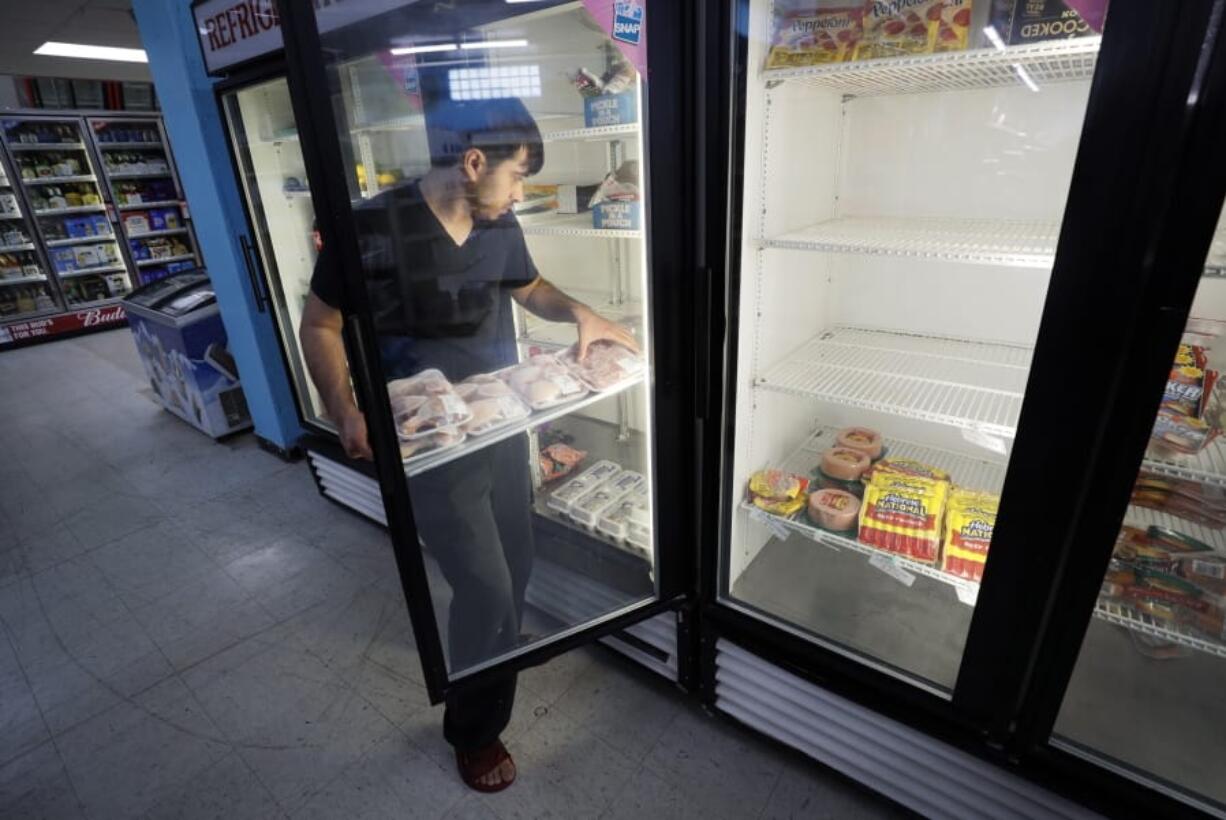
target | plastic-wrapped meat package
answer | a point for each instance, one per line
(445, 411)
(482, 386)
(588, 509)
(426, 383)
(543, 383)
(489, 414)
(562, 500)
(558, 460)
(440, 439)
(607, 365)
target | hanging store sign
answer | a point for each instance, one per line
(232, 32)
(626, 22)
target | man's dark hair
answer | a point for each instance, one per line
(500, 128)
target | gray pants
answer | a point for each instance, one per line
(475, 516)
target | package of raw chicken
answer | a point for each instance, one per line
(607, 365)
(492, 403)
(424, 404)
(441, 439)
(543, 382)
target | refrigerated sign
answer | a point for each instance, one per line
(238, 31)
(34, 329)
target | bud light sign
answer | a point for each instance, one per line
(628, 22)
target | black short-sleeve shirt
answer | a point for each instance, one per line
(434, 303)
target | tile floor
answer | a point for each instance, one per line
(188, 630)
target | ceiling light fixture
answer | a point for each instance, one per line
(494, 44)
(84, 52)
(424, 49)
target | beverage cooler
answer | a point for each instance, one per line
(964, 237)
(916, 469)
(82, 223)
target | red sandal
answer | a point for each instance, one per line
(475, 765)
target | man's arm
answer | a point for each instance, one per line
(543, 299)
(324, 350)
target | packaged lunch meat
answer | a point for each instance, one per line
(903, 514)
(778, 492)
(1191, 500)
(969, 522)
(894, 28)
(493, 414)
(588, 509)
(865, 440)
(559, 460)
(606, 366)
(1032, 21)
(543, 382)
(844, 463)
(813, 33)
(563, 498)
(834, 510)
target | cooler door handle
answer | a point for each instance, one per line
(261, 298)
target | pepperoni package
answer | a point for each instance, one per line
(815, 34)
(894, 28)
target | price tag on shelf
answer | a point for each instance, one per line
(777, 527)
(890, 566)
(967, 595)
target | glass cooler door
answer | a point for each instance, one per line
(905, 172)
(1146, 695)
(531, 473)
(264, 137)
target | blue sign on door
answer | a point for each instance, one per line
(628, 22)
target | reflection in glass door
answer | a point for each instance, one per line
(1147, 694)
(498, 180)
(265, 140)
(905, 176)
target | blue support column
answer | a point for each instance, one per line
(198, 138)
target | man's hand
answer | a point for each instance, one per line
(593, 328)
(353, 436)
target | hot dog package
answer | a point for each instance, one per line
(903, 514)
(816, 33)
(969, 523)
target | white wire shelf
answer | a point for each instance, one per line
(57, 180)
(77, 240)
(412, 122)
(69, 274)
(1215, 263)
(21, 280)
(1143, 517)
(135, 206)
(138, 174)
(1025, 244)
(597, 134)
(74, 209)
(152, 234)
(1206, 467)
(972, 385)
(571, 225)
(1034, 65)
(46, 146)
(11, 216)
(16, 248)
(1129, 618)
(141, 263)
(114, 146)
(421, 464)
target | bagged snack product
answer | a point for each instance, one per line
(607, 365)
(543, 382)
(863, 439)
(778, 492)
(894, 28)
(816, 33)
(969, 522)
(834, 509)
(558, 460)
(903, 514)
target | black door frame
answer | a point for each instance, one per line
(671, 217)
